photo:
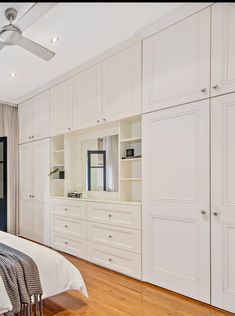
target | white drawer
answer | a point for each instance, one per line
(74, 227)
(114, 236)
(118, 260)
(70, 208)
(69, 244)
(115, 214)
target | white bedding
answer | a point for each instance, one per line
(57, 274)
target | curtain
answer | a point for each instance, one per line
(9, 128)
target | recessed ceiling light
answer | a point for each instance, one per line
(54, 39)
(13, 74)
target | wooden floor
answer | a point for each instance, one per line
(112, 294)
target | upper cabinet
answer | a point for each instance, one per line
(223, 48)
(87, 102)
(122, 84)
(176, 63)
(61, 107)
(34, 118)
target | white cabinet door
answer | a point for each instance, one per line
(176, 217)
(26, 191)
(61, 108)
(122, 84)
(26, 121)
(87, 92)
(223, 202)
(41, 104)
(41, 158)
(176, 63)
(223, 47)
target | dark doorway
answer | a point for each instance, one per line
(3, 184)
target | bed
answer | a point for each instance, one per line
(57, 274)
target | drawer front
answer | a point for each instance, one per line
(115, 214)
(115, 259)
(75, 209)
(69, 245)
(74, 227)
(114, 236)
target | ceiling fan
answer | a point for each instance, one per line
(11, 34)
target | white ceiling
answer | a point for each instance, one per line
(84, 30)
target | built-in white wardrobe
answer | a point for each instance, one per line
(179, 233)
(189, 157)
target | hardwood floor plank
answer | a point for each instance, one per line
(113, 294)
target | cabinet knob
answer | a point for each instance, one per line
(66, 226)
(30, 137)
(33, 196)
(97, 121)
(203, 212)
(30, 195)
(110, 260)
(215, 87)
(66, 243)
(110, 236)
(215, 213)
(203, 90)
(69, 128)
(110, 215)
(104, 119)
(66, 209)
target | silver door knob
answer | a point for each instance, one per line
(204, 90)
(203, 212)
(215, 213)
(215, 87)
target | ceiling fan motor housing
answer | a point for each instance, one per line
(11, 14)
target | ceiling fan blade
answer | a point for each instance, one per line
(2, 45)
(33, 14)
(35, 48)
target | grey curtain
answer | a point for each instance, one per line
(9, 128)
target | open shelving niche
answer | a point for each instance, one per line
(130, 169)
(57, 161)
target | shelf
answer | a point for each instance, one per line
(58, 151)
(131, 159)
(58, 180)
(131, 140)
(130, 179)
(57, 165)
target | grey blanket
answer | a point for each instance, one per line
(21, 280)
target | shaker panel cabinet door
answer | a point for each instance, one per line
(176, 64)
(223, 202)
(122, 84)
(26, 121)
(176, 215)
(87, 98)
(41, 105)
(223, 48)
(61, 108)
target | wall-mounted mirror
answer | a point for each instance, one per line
(100, 164)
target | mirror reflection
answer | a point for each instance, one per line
(100, 164)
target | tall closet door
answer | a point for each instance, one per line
(176, 218)
(26, 209)
(223, 202)
(223, 48)
(41, 158)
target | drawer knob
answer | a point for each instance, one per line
(66, 226)
(110, 215)
(110, 236)
(203, 90)
(66, 243)
(110, 260)
(66, 209)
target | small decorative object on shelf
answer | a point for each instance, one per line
(75, 195)
(61, 174)
(54, 171)
(130, 152)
